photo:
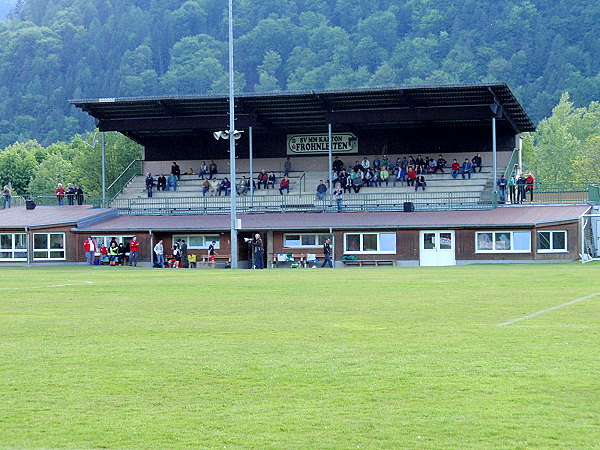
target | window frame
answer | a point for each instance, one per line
(13, 249)
(49, 250)
(105, 239)
(207, 238)
(552, 250)
(369, 252)
(512, 241)
(317, 236)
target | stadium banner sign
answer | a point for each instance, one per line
(303, 144)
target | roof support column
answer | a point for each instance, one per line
(329, 151)
(103, 171)
(251, 167)
(495, 168)
(234, 236)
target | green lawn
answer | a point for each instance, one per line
(369, 358)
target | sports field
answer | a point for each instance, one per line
(357, 358)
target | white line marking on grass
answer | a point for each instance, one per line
(22, 288)
(539, 313)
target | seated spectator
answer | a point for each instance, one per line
(431, 165)
(212, 170)
(214, 186)
(103, 254)
(397, 164)
(244, 186)
(334, 177)
(411, 161)
(411, 176)
(440, 164)
(225, 186)
(420, 182)
(376, 177)
(384, 175)
(321, 190)
(113, 252)
(419, 164)
(368, 178)
(404, 163)
(477, 162)
(345, 181)
(337, 164)
(455, 168)
(357, 184)
(262, 178)
(467, 168)
(357, 166)
(271, 180)
(121, 254)
(365, 163)
(287, 167)
(203, 170)
(190, 171)
(385, 161)
(205, 187)
(161, 183)
(400, 175)
(171, 182)
(284, 185)
(376, 164)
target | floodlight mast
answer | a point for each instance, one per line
(233, 214)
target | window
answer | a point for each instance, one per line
(99, 240)
(49, 246)
(503, 242)
(370, 242)
(13, 246)
(551, 241)
(198, 241)
(305, 240)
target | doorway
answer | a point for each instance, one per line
(437, 248)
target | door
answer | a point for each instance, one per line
(437, 248)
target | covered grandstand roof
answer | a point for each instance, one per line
(513, 216)
(45, 216)
(306, 111)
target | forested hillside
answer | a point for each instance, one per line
(55, 50)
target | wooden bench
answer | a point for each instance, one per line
(298, 257)
(221, 258)
(368, 262)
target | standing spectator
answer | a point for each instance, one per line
(6, 198)
(271, 180)
(212, 170)
(467, 168)
(171, 182)
(60, 194)
(287, 167)
(79, 194)
(149, 184)
(159, 251)
(455, 168)
(259, 251)
(134, 246)
(337, 164)
(338, 193)
(411, 176)
(184, 255)
(175, 171)
(521, 182)
(327, 253)
(89, 247)
(161, 183)
(70, 194)
(262, 178)
(212, 253)
(203, 170)
(502, 183)
(176, 254)
(512, 187)
(224, 186)
(420, 182)
(284, 185)
(530, 182)
(321, 190)
(477, 162)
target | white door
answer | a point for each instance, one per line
(437, 248)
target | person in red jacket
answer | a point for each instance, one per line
(455, 168)
(89, 246)
(60, 194)
(411, 176)
(284, 184)
(133, 251)
(530, 182)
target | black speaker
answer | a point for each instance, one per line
(29, 204)
(409, 207)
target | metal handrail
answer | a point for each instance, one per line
(131, 171)
(512, 164)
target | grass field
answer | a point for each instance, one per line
(372, 358)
